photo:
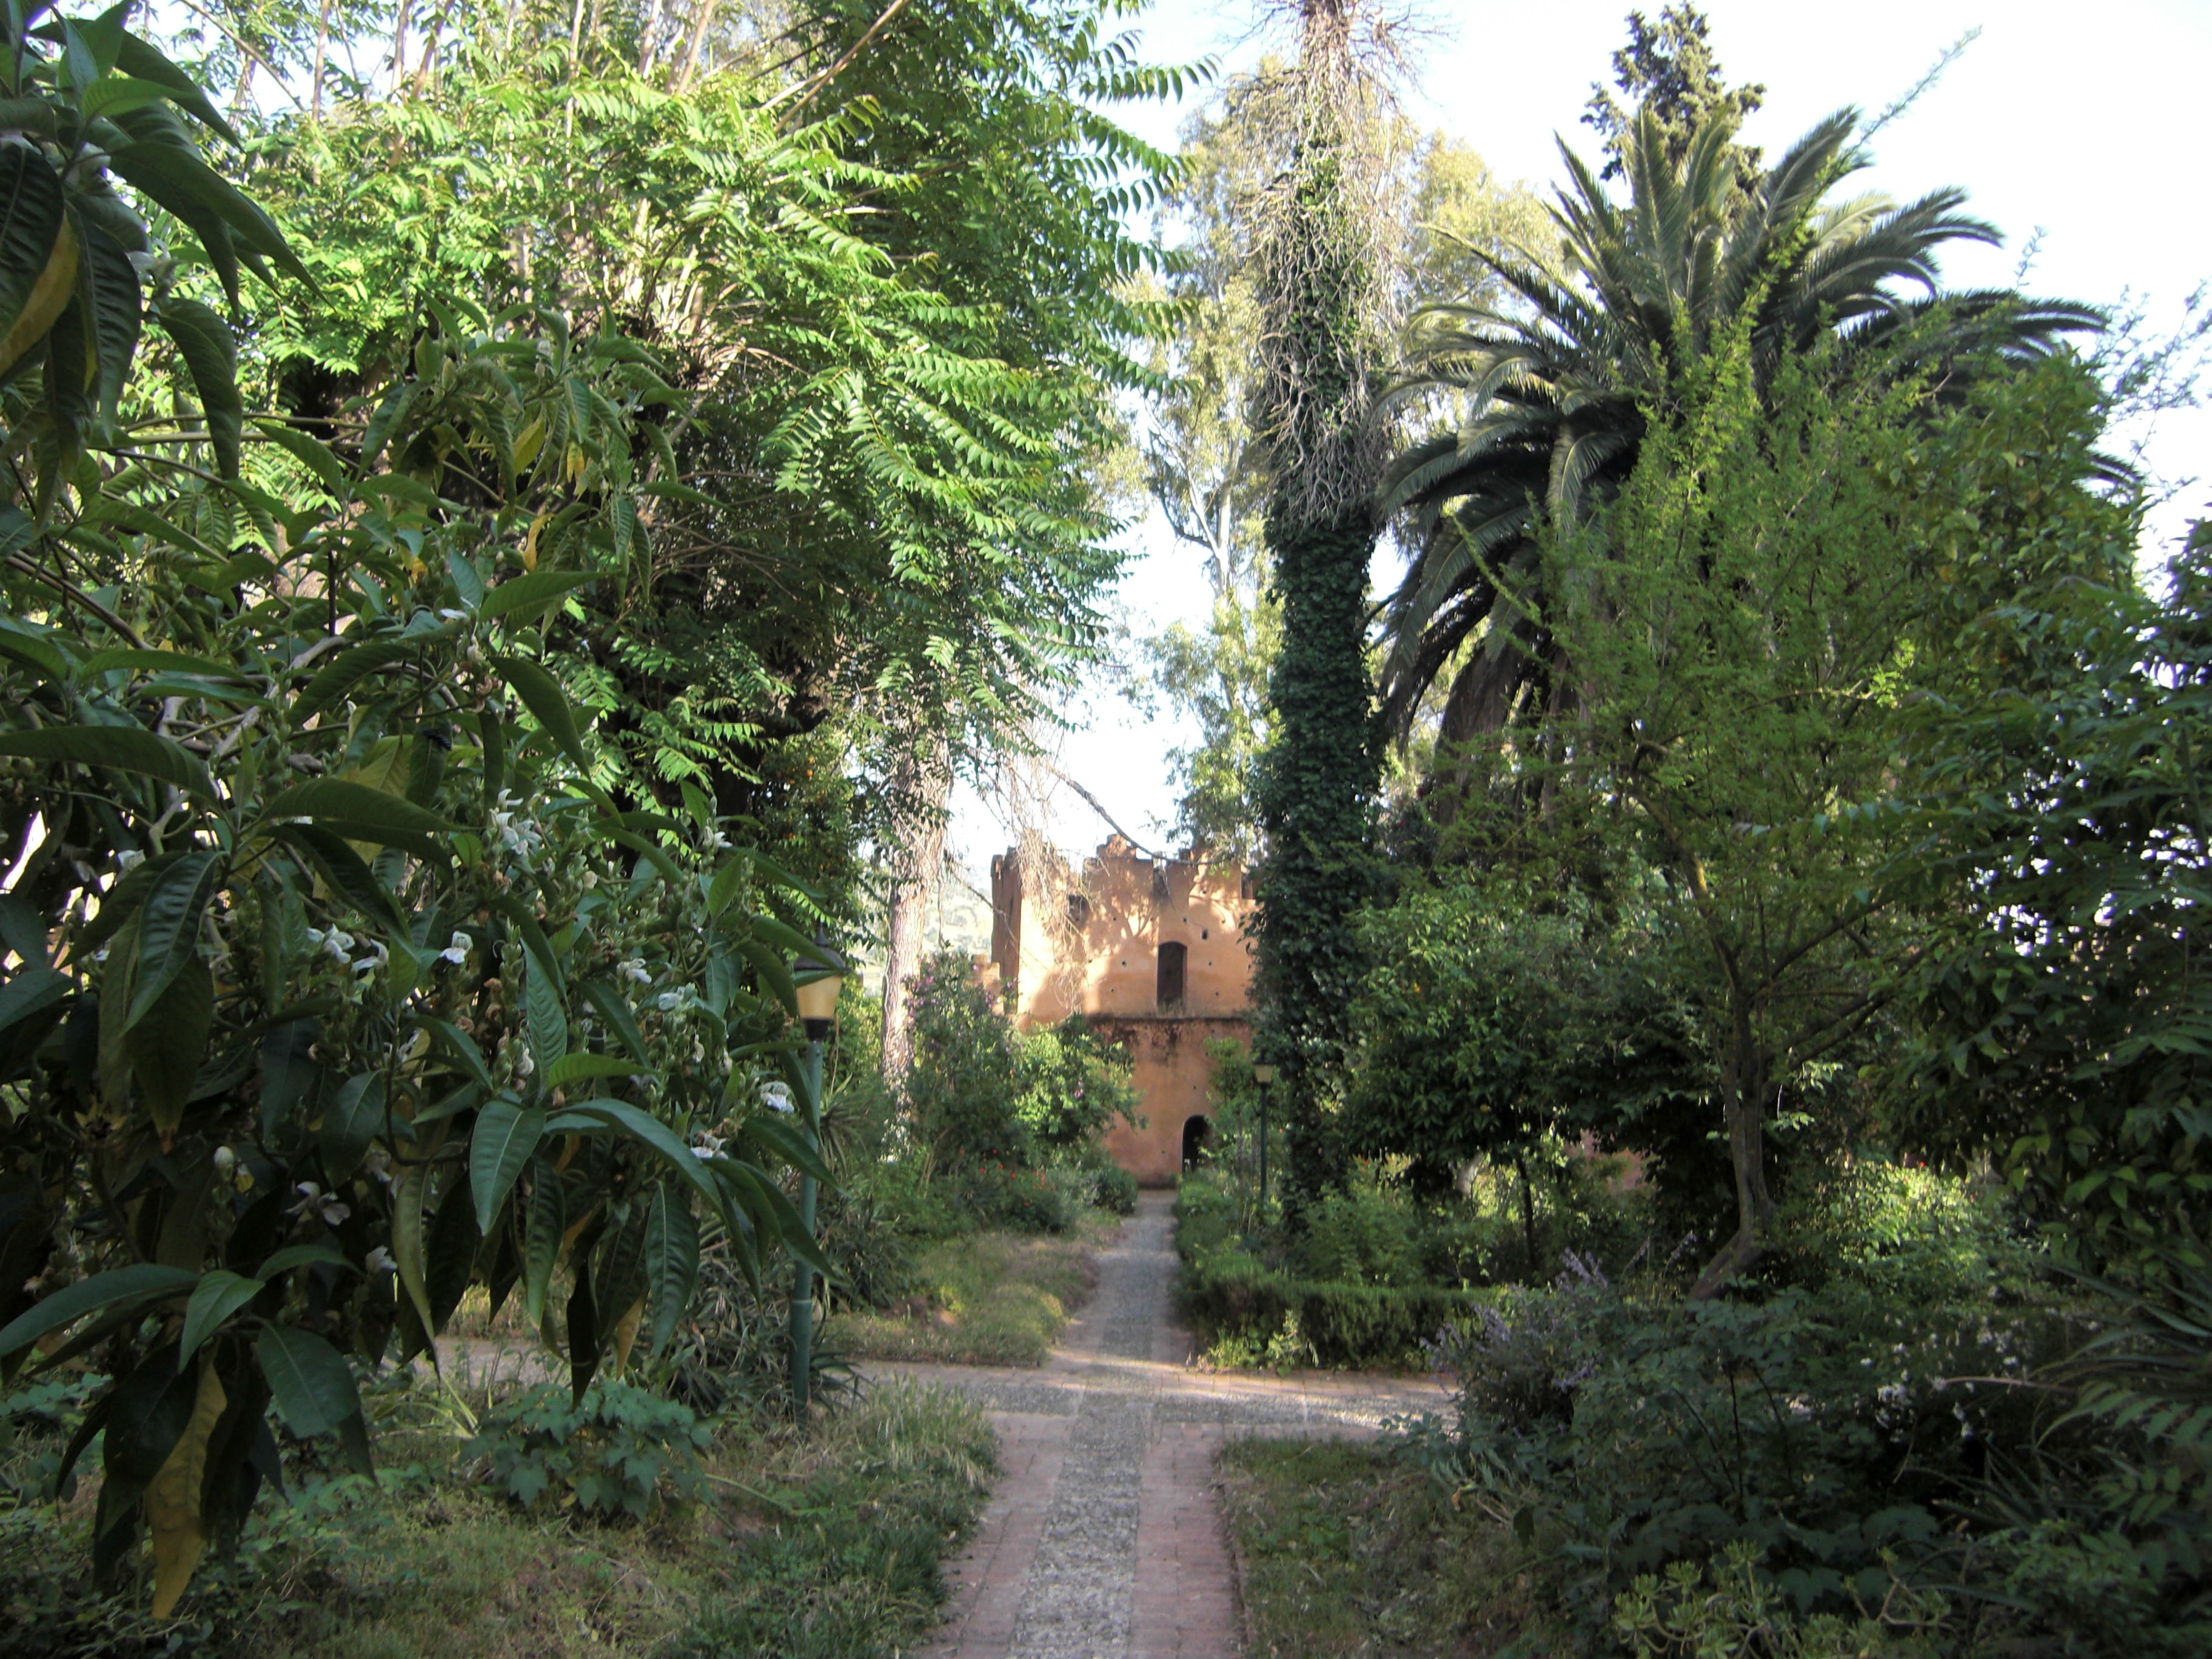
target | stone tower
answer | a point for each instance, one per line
(1152, 952)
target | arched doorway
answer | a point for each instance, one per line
(1197, 1141)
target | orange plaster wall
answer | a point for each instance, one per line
(1107, 968)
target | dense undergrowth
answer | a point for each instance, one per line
(1913, 1437)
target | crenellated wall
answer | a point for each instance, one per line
(1091, 942)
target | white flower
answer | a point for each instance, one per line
(225, 1161)
(717, 841)
(375, 961)
(588, 880)
(127, 859)
(635, 971)
(669, 1001)
(457, 951)
(378, 1164)
(313, 1200)
(338, 942)
(380, 1261)
(776, 1097)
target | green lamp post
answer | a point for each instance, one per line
(1264, 1075)
(820, 977)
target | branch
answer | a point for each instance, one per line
(808, 89)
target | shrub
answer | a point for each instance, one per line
(620, 1451)
(993, 1195)
(1072, 1084)
(1361, 1236)
(964, 1082)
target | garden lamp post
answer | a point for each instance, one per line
(1264, 1075)
(820, 977)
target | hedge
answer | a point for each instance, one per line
(1226, 1291)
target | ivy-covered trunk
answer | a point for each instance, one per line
(1320, 258)
(1315, 789)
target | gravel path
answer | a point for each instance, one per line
(1103, 1542)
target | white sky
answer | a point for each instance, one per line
(2084, 125)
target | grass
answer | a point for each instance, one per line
(988, 1300)
(1348, 1551)
(825, 1546)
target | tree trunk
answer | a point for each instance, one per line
(920, 787)
(1743, 1099)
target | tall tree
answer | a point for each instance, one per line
(1323, 300)
(1553, 394)
(1206, 471)
(1669, 70)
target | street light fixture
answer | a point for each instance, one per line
(820, 977)
(1264, 1075)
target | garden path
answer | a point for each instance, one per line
(1103, 1541)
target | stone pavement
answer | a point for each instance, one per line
(1103, 1542)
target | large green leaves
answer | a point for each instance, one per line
(122, 748)
(120, 1286)
(209, 351)
(309, 1380)
(506, 1135)
(31, 219)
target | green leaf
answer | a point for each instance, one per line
(304, 1255)
(360, 813)
(33, 991)
(523, 599)
(112, 300)
(541, 694)
(116, 93)
(608, 1003)
(774, 972)
(210, 355)
(355, 663)
(169, 925)
(167, 1042)
(571, 1067)
(31, 218)
(142, 1283)
(622, 1118)
(506, 1138)
(134, 657)
(310, 1380)
(547, 1020)
(330, 856)
(468, 585)
(407, 1196)
(548, 1221)
(122, 748)
(288, 1070)
(792, 1146)
(310, 452)
(772, 1213)
(352, 1118)
(180, 181)
(219, 1294)
(462, 1047)
(671, 1262)
(135, 57)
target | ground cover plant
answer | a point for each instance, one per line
(775, 1540)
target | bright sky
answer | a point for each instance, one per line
(2083, 126)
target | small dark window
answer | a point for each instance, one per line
(1170, 974)
(1197, 1141)
(1078, 910)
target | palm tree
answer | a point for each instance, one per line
(1550, 388)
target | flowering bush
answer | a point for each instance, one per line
(341, 981)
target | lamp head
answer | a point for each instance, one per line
(1263, 1074)
(821, 976)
